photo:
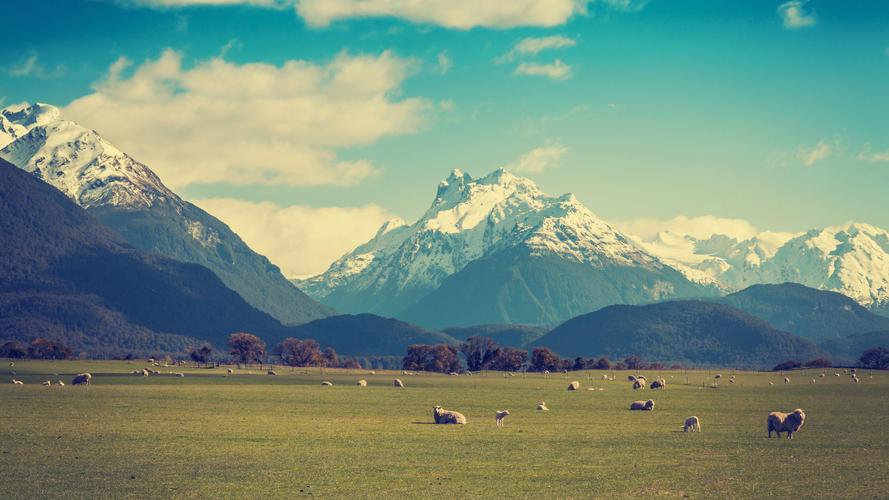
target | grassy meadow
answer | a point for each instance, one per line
(251, 435)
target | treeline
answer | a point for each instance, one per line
(876, 358)
(39, 348)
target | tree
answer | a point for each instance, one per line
(602, 364)
(296, 352)
(478, 352)
(579, 364)
(416, 357)
(790, 364)
(201, 355)
(818, 363)
(13, 349)
(508, 359)
(544, 359)
(49, 349)
(633, 362)
(875, 359)
(246, 347)
(440, 358)
(330, 358)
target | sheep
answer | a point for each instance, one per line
(786, 380)
(144, 372)
(573, 386)
(541, 406)
(785, 422)
(692, 424)
(717, 376)
(837, 374)
(372, 372)
(326, 383)
(771, 383)
(453, 374)
(443, 416)
(82, 379)
(17, 382)
(731, 381)
(638, 384)
(46, 383)
(631, 378)
(362, 383)
(659, 384)
(812, 381)
(855, 380)
(12, 363)
(821, 376)
(642, 405)
(229, 371)
(499, 416)
(398, 383)
(271, 372)
(605, 377)
(61, 384)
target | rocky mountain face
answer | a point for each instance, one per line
(128, 197)
(500, 231)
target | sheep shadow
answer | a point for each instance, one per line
(424, 423)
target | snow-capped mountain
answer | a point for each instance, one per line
(127, 196)
(852, 260)
(472, 220)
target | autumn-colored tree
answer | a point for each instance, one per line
(602, 364)
(297, 352)
(49, 349)
(246, 348)
(478, 352)
(330, 358)
(507, 359)
(544, 359)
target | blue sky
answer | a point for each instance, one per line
(775, 113)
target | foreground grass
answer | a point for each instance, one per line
(252, 435)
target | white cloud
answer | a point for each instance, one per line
(172, 4)
(32, 68)
(795, 15)
(814, 154)
(252, 123)
(445, 63)
(455, 14)
(699, 227)
(534, 45)
(301, 240)
(538, 159)
(556, 70)
(869, 156)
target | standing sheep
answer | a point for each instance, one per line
(642, 405)
(692, 424)
(362, 383)
(81, 379)
(785, 422)
(573, 386)
(443, 416)
(46, 383)
(61, 384)
(499, 416)
(229, 371)
(639, 384)
(659, 384)
(398, 383)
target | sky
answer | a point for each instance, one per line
(305, 124)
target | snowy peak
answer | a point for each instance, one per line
(79, 162)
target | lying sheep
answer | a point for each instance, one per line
(639, 384)
(46, 383)
(573, 386)
(144, 372)
(178, 374)
(372, 372)
(642, 405)
(362, 383)
(821, 376)
(542, 406)
(17, 382)
(836, 374)
(785, 422)
(398, 383)
(327, 383)
(61, 384)
(692, 424)
(229, 371)
(499, 416)
(453, 374)
(443, 416)
(271, 372)
(786, 380)
(81, 379)
(659, 384)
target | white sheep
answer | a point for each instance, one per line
(786, 380)
(398, 383)
(642, 405)
(271, 372)
(144, 372)
(542, 406)
(605, 377)
(326, 383)
(17, 382)
(362, 383)
(499, 416)
(812, 381)
(61, 384)
(639, 384)
(573, 386)
(631, 378)
(821, 376)
(178, 374)
(692, 424)
(785, 422)
(229, 371)
(443, 416)
(659, 384)
(82, 379)
(771, 383)
(46, 383)
(372, 372)
(837, 374)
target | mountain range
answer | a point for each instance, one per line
(128, 197)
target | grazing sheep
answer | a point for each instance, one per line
(731, 381)
(785, 422)
(639, 384)
(362, 383)
(443, 416)
(144, 372)
(659, 384)
(61, 384)
(692, 424)
(327, 383)
(229, 371)
(542, 406)
(837, 374)
(372, 372)
(499, 416)
(642, 405)
(821, 376)
(398, 383)
(631, 378)
(717, 376)
(812, 381)
(17, 382)
(453, 374)
(605, 377)
(786, 380)
(81, 379)
(855, 380)
(573, 386)
(271, 372)
(46, 383)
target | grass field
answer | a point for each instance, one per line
(258, 436)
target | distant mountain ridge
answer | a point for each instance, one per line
(505, 227)
(128, 197)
